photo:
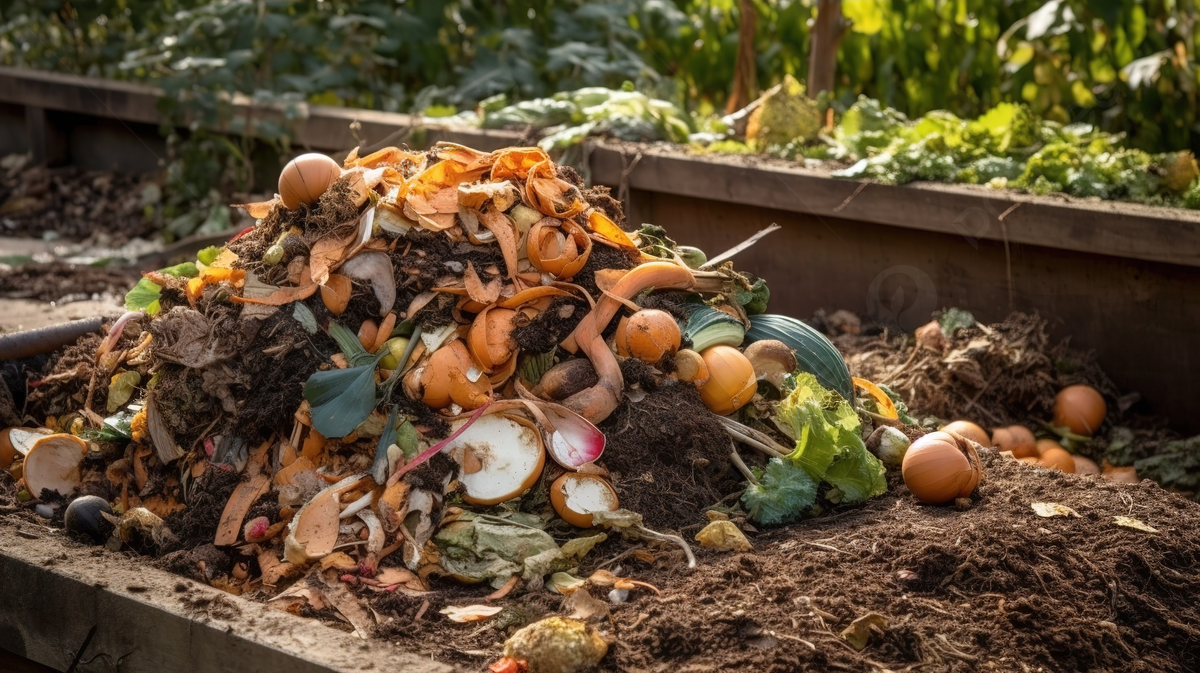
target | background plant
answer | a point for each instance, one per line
(1125, 66)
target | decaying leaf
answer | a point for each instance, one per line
(483, 551)
(471, 613)
(238, 505)
(859, 630)
(1130, 522)
(1052, 509)
(723, 536)
(583, 605)
(564, 583)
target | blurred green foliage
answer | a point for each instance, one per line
(1122, 66)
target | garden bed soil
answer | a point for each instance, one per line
(991, 587)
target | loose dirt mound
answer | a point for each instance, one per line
(56, 281)
(76, 204)
(995, 587)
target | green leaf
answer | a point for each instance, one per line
(783, 493)
(340, 399)
(184, 270)
(351, 347)
(867, 15)
(829, 445)
(144, 297)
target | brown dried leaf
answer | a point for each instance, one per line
(237, 506)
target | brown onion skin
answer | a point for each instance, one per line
(937, 471)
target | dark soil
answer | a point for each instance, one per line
(60, 282)
(1003, 374)
(994, 587)
(668, 456)
(76, 204)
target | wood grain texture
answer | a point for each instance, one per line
(1108, 228)
(1141, 318)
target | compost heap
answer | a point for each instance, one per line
(354, 402)
(373, 378)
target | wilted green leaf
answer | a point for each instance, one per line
(340, 399)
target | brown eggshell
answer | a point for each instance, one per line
(1059, 459)
(1079, 408)
(970, 431)
(574, 496)
(305, 178)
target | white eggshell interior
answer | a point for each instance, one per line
(510, 455)
(584, 495)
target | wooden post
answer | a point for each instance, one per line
(745, 75)
(827, 33)
(47, 142)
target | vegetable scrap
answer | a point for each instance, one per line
(453, 377)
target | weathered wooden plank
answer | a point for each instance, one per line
(145, 620)
(318, 127)
(1107, 228)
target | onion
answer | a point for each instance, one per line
(970, 431)
(651, 334)
(1080, 409)
(731, 382)
(1058, 458)
(619, 337)
(1016, 439)
(690, 368)
(305, 178)
(940, 467)
(1045, 444)
(576, 495)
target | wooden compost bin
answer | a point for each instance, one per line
(1120, 279)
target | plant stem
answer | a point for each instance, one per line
(739, 247)
(737, 461)
(670, 538)
(753, 438)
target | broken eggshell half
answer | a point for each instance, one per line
(53, 464)
(16, 442)
(499, 456)
(576, 495)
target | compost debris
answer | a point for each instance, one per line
(241, 424)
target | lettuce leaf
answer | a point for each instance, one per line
(783, 493)
(829, 445)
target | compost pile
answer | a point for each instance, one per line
(419, 373)
(74, 204)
